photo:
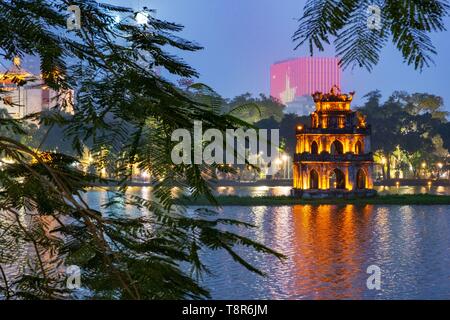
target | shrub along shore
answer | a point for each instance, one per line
(410, 199)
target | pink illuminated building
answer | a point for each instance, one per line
(297, 77)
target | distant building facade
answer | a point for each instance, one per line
(24, 93)
(298, 77)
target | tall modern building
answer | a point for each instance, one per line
(293, 78)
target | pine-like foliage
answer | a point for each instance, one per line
(408, 24)
(125, 112)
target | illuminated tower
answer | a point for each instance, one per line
(333, 156)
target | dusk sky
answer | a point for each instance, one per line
(241, 39)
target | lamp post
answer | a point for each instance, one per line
(260, 164)
(278, 162)
(439, 165)
(286, 165)
(383, 164)
(424, 165)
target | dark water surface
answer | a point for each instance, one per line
(329, 249)
(286, 191)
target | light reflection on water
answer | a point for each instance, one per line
(285, 191)
(330, 247)
(328, 250)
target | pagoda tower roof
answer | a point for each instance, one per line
(334, 95)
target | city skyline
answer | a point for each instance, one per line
(124, 177)
(242, 39)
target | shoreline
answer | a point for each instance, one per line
(288, 183)
(273, 201)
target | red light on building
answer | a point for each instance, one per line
(303, 76)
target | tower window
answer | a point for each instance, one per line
(337, 148)
(313, 180)
(314, 148)
(358, 148)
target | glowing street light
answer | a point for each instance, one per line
(141, 18)
(145, 175)
(286, 158)
(439, 165)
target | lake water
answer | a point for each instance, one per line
(329, 249)
(285, 191)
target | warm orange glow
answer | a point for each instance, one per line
(16, 61)
(328, 230)
(333, 121)
(324, 122)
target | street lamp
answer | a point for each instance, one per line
(286, 165)
(439, 165)
(424, 165)
(145, 175)
(278, 162)
(383, 163)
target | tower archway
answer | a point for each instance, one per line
(314, 148)
(337, 179)
(358, 148)
(313, 179)
(337, 148)
(361, 179)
